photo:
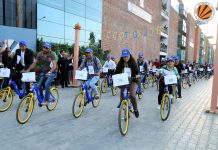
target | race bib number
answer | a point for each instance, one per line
(128, 71)
(91, 69)
(141, 69)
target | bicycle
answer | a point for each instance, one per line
(124, 111)
(167, 98)
(28, 102)
(85, 96)
(7, 95)
(108, 82)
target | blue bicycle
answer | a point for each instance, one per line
(85, 96)
(26, 106)
(124, 110)
(108, 82)
(7, 96)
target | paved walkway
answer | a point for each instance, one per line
(188, 127)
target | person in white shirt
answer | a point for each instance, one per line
(110, 64)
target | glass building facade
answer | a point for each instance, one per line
(56, 20)
(26, 12)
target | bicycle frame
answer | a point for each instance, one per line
(20, 94)
(88, 95)
(126, 96)
(36, 92)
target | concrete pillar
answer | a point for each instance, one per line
(76, 53)
(20, 14)
(196, 44)
(213, 106)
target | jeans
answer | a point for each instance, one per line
(91, 82)
(47, 81)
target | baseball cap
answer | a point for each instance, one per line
(22, 43)
(89, 50)
(125, 53)
(47, 45)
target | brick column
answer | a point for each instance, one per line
(20, 13)
(76, 53)
(196, 45)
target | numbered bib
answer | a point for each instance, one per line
(105, 69)
(5, 72)
(141, 68)
(170, 79)
(29, 77)
(128, 71)
(81, 75)
(91, 69)
(120, 79)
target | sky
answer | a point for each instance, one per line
(209, 29)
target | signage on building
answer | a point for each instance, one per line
(191, 44)
(136, 10)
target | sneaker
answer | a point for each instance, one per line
(180, 97)
(136, 113)
(190, 85)
(97, 97)
(118, 106)
(158, 107)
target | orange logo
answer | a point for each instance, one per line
(204, 12)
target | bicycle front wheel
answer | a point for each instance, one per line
(53, 100)
(25, 109)
(114, 91)
(123, 117)
(104, 85)
(165, 107)
(6, 99)
(78, 105)
(96, 102)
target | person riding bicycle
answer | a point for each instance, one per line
(21, 61)
(110, 64)
(46, 60)
(127, 62)
(171, 68)
(143, 67)
(94, 67)
(180, 69)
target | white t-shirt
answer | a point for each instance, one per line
(110, 64)
(22, 58)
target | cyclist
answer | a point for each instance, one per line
(46, 60)
(143, 67)
(127, 62)
(94, 67)
(110, 64)
(21, 61)
(180, 68)
(169, 67)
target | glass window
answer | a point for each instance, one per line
(50, 14)
(10, 13)
(80, 1)
(93, 14)
(97, 36)
(50, 39)
(58, 4)
(1, 12)
(93, 26)
(50, 29)
(71, 20)
(75, 8)
(70, 34)
(95, 4)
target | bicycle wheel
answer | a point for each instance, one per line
(78, 105)
(54, 97)
(146, 84)
(123, 117)
(25, 109)
(104, 85)
(140, 95)
(114, 91)
(165, 107)
(184, 83)
(6, 99)
(96, 102)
